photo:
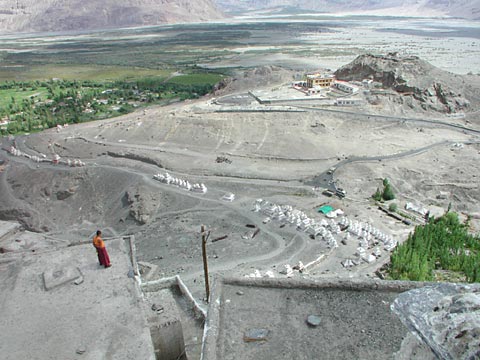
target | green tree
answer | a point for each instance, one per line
(443, 243)
(388, 193)
(378, 195)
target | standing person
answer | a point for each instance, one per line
(103, 257)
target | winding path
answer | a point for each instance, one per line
(326, 180)
(284, 247)
(374, 117)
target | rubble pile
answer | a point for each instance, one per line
(223, 159)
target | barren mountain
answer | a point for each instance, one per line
(469, 9)
(64, 15)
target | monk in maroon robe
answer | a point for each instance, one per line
(102, 253)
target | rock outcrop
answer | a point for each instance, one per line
(427, 86)
(446, 317)
(74, 15)
(142, 203)
(245, 80)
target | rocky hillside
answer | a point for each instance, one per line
(469, 9)
(73, 15)
(245, 80)
(410, 77)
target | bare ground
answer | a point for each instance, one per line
(272, 155)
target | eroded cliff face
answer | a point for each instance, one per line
(72, 15)
(414, 80)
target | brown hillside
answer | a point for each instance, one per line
(73, 15)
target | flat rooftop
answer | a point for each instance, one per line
(60, 304)
(355, 319)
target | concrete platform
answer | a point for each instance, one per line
(14, 239)
(299, 319)
(288, 94)
(61, 304)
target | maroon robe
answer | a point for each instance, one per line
(103, 257)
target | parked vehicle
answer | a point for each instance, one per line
(328, 193)
(341, 193)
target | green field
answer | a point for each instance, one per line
(77, 72)
(106, 74)
(142, 52)
(196, 79)
(6, 95)
(73, 101)
(96, 78)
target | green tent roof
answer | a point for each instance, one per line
(325, 209)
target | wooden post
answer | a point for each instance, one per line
(205, 264)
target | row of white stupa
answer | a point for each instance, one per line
(184, 184)
(288, 214)
(368, 235)
(362, 254)
(56, 159)
(75, 162)
(258, 274)
(288, 271)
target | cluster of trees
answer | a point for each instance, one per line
(65, 102)
(441, 244)
(386, 194)
(57, 102)
(163, 88)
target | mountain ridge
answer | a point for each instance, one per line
(77, 15)
(469, 9)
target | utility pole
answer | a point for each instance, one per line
(205, 264)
